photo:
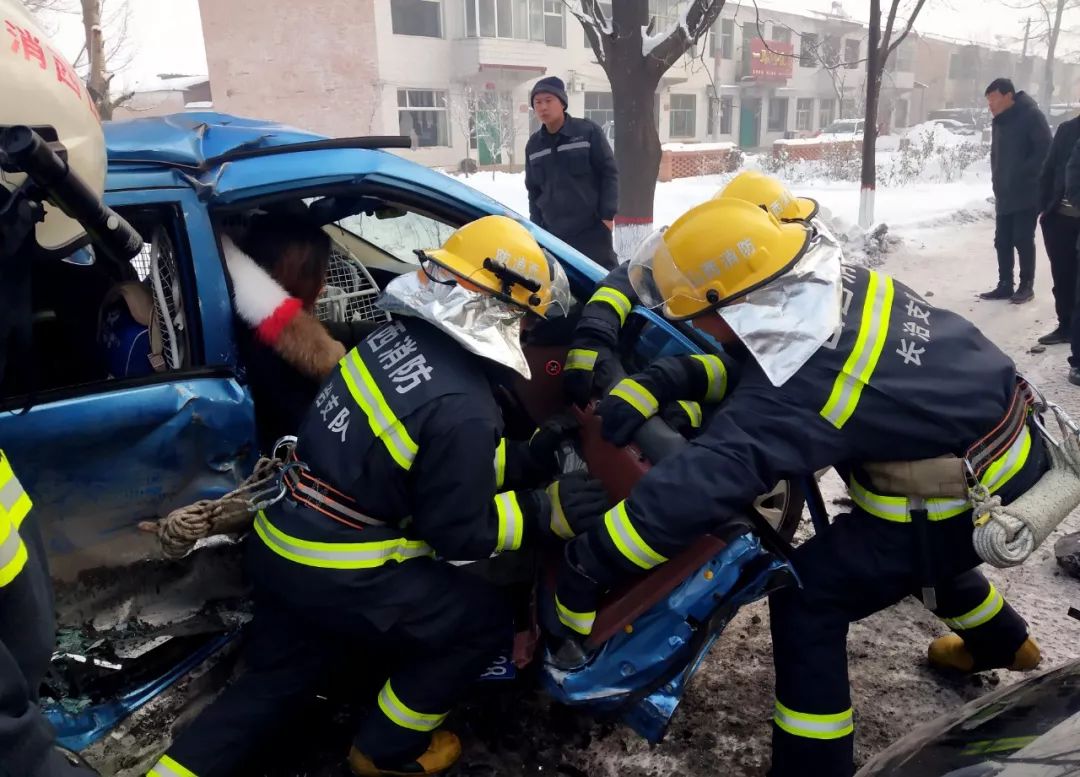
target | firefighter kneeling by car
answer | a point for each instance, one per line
(845, 367)
(400, 468)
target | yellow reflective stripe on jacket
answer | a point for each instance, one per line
(168, 767)
(693, 412)
(405, 716)
(580, 359)
(987, 609)
(581, 622)
(511, 521)
(618, 301)
(338, 555)
(500, 463)
(627, 539)
(895, 508)
(717, 376)
(560, 527)
(13, 555)
(860, 364)
(637, 396)
(14, 501)
(811, 726)
(384, 424)
(14, 507)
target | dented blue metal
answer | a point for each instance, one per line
(642, 674)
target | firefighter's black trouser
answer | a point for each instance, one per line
(27, 638)
(863, 564)
(443, 625)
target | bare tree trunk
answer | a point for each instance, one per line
(1051, 47)
(97, 79)
(873, 90)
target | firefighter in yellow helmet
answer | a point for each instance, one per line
(771, 195)
(51, 150)
(684, 387)
(402, 472)
(844, 367)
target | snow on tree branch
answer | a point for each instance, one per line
(665, 48)
(598, 28)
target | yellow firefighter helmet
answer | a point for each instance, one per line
(498, 255)
(771, 194)
(712, 255)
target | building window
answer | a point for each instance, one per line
(599, 107)
(778, 114)
(553, 23)
(499, 18)
(804, 114)
(905, 57)
(808, 45)
(963, 63)
(781, 34)
(726, 108)
(847, 108)
(851, 54)
(606, 8)
(727, 38)
(683, 116)
(826, 112)
(422, 117)
(416, 17)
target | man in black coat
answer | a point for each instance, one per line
(571, 176)
(1020, 142)
(1060, 221)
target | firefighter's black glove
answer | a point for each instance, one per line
(684, 417)
(578, 502)
(570, 506)
(632, 402)
(544, 444)
(587, 369)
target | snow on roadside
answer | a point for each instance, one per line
(903, 210)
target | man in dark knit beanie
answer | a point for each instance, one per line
(571, 175)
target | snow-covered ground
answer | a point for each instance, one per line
(920, 204)
(723, 725)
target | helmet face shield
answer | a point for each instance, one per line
(659, 283)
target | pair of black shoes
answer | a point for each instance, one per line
(1025, 293)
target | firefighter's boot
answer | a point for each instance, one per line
(950, 652)
(444, 750)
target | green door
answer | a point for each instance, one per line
(749, 121)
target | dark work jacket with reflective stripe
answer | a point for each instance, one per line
(571, 178)
(938, 386)
(600, 324)
(445, 403)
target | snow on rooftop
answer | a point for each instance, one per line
(698, 146)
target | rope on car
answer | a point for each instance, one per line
(180, 530)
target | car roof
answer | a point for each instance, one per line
(175, 150)
(190, 139)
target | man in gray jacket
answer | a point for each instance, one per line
(1020, 141)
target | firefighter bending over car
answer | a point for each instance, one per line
(845, 367)
(400, 469)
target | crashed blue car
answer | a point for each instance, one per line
(115, 431)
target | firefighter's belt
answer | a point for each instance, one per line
(308, 490)
(950, 476)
